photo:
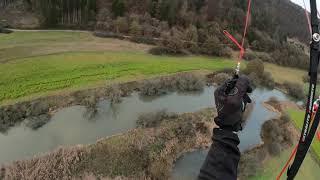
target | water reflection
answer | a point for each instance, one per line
(75, 125)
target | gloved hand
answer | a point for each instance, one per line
(231, 99)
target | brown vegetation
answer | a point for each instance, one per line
(294, 89)
(182, 82)
(141, 153)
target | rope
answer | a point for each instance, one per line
(307, 17)
(233, 39)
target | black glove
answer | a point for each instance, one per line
(231, 99)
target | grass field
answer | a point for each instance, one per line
(40, 71)
(29, 44)
(282, 74)
(298, 116)
(35, 63)
(272, 168)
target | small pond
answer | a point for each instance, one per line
(70, 126)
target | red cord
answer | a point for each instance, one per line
(241, 48)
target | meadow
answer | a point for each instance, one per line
(37, 73)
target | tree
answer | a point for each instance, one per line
(118, 8)
(135, 28)
(212, 46)
(121, 25)
(191, 38)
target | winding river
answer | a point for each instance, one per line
(71, 126)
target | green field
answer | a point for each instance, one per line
(40, 73)
(271, 169)
(298, 117)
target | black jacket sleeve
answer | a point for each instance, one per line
(223, 157)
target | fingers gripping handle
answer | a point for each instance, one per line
(231, 84)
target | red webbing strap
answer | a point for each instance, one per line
(233, 39)
(241, 48)
(246, 23)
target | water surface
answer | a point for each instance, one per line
(188, 166)
(70, 126)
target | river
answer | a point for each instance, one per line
(70, 126)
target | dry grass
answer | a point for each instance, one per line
(26, 44)
(138, 154)
(60, 164)
(282, 74)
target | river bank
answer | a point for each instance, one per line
(137, 154)
(41, 109)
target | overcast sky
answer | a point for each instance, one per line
(300, 2)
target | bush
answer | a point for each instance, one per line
(143, 40)
(267, 80)
(173, 40)
(255, 66)
(225, 52)
(135, 29)
(105, 34)
(295, 90)
(285, 118)
(154, 119)
(165, 51)
(221, 78)
(255, 80)
(274, 149)
(189, 82)
(182, 83)
(211, 46)
(115, 93)
(121, 25)
(249, 55)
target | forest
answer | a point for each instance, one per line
(185, 26)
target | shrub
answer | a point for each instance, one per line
(294, 89)
(255, 80)
(267, 80)
(225, 52)
(135, 29)
(274, 149)
(164, 51)
(153, 87)
(182, 83)
(221, 78)
(249, 55)
(121, 25)
(173, 40)
(285, 118)
(154, 119)
(143, 40)
(255, 66)
(115, 93)
(211, 46)
(105, 34)
(189, 82)
(37, 121)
